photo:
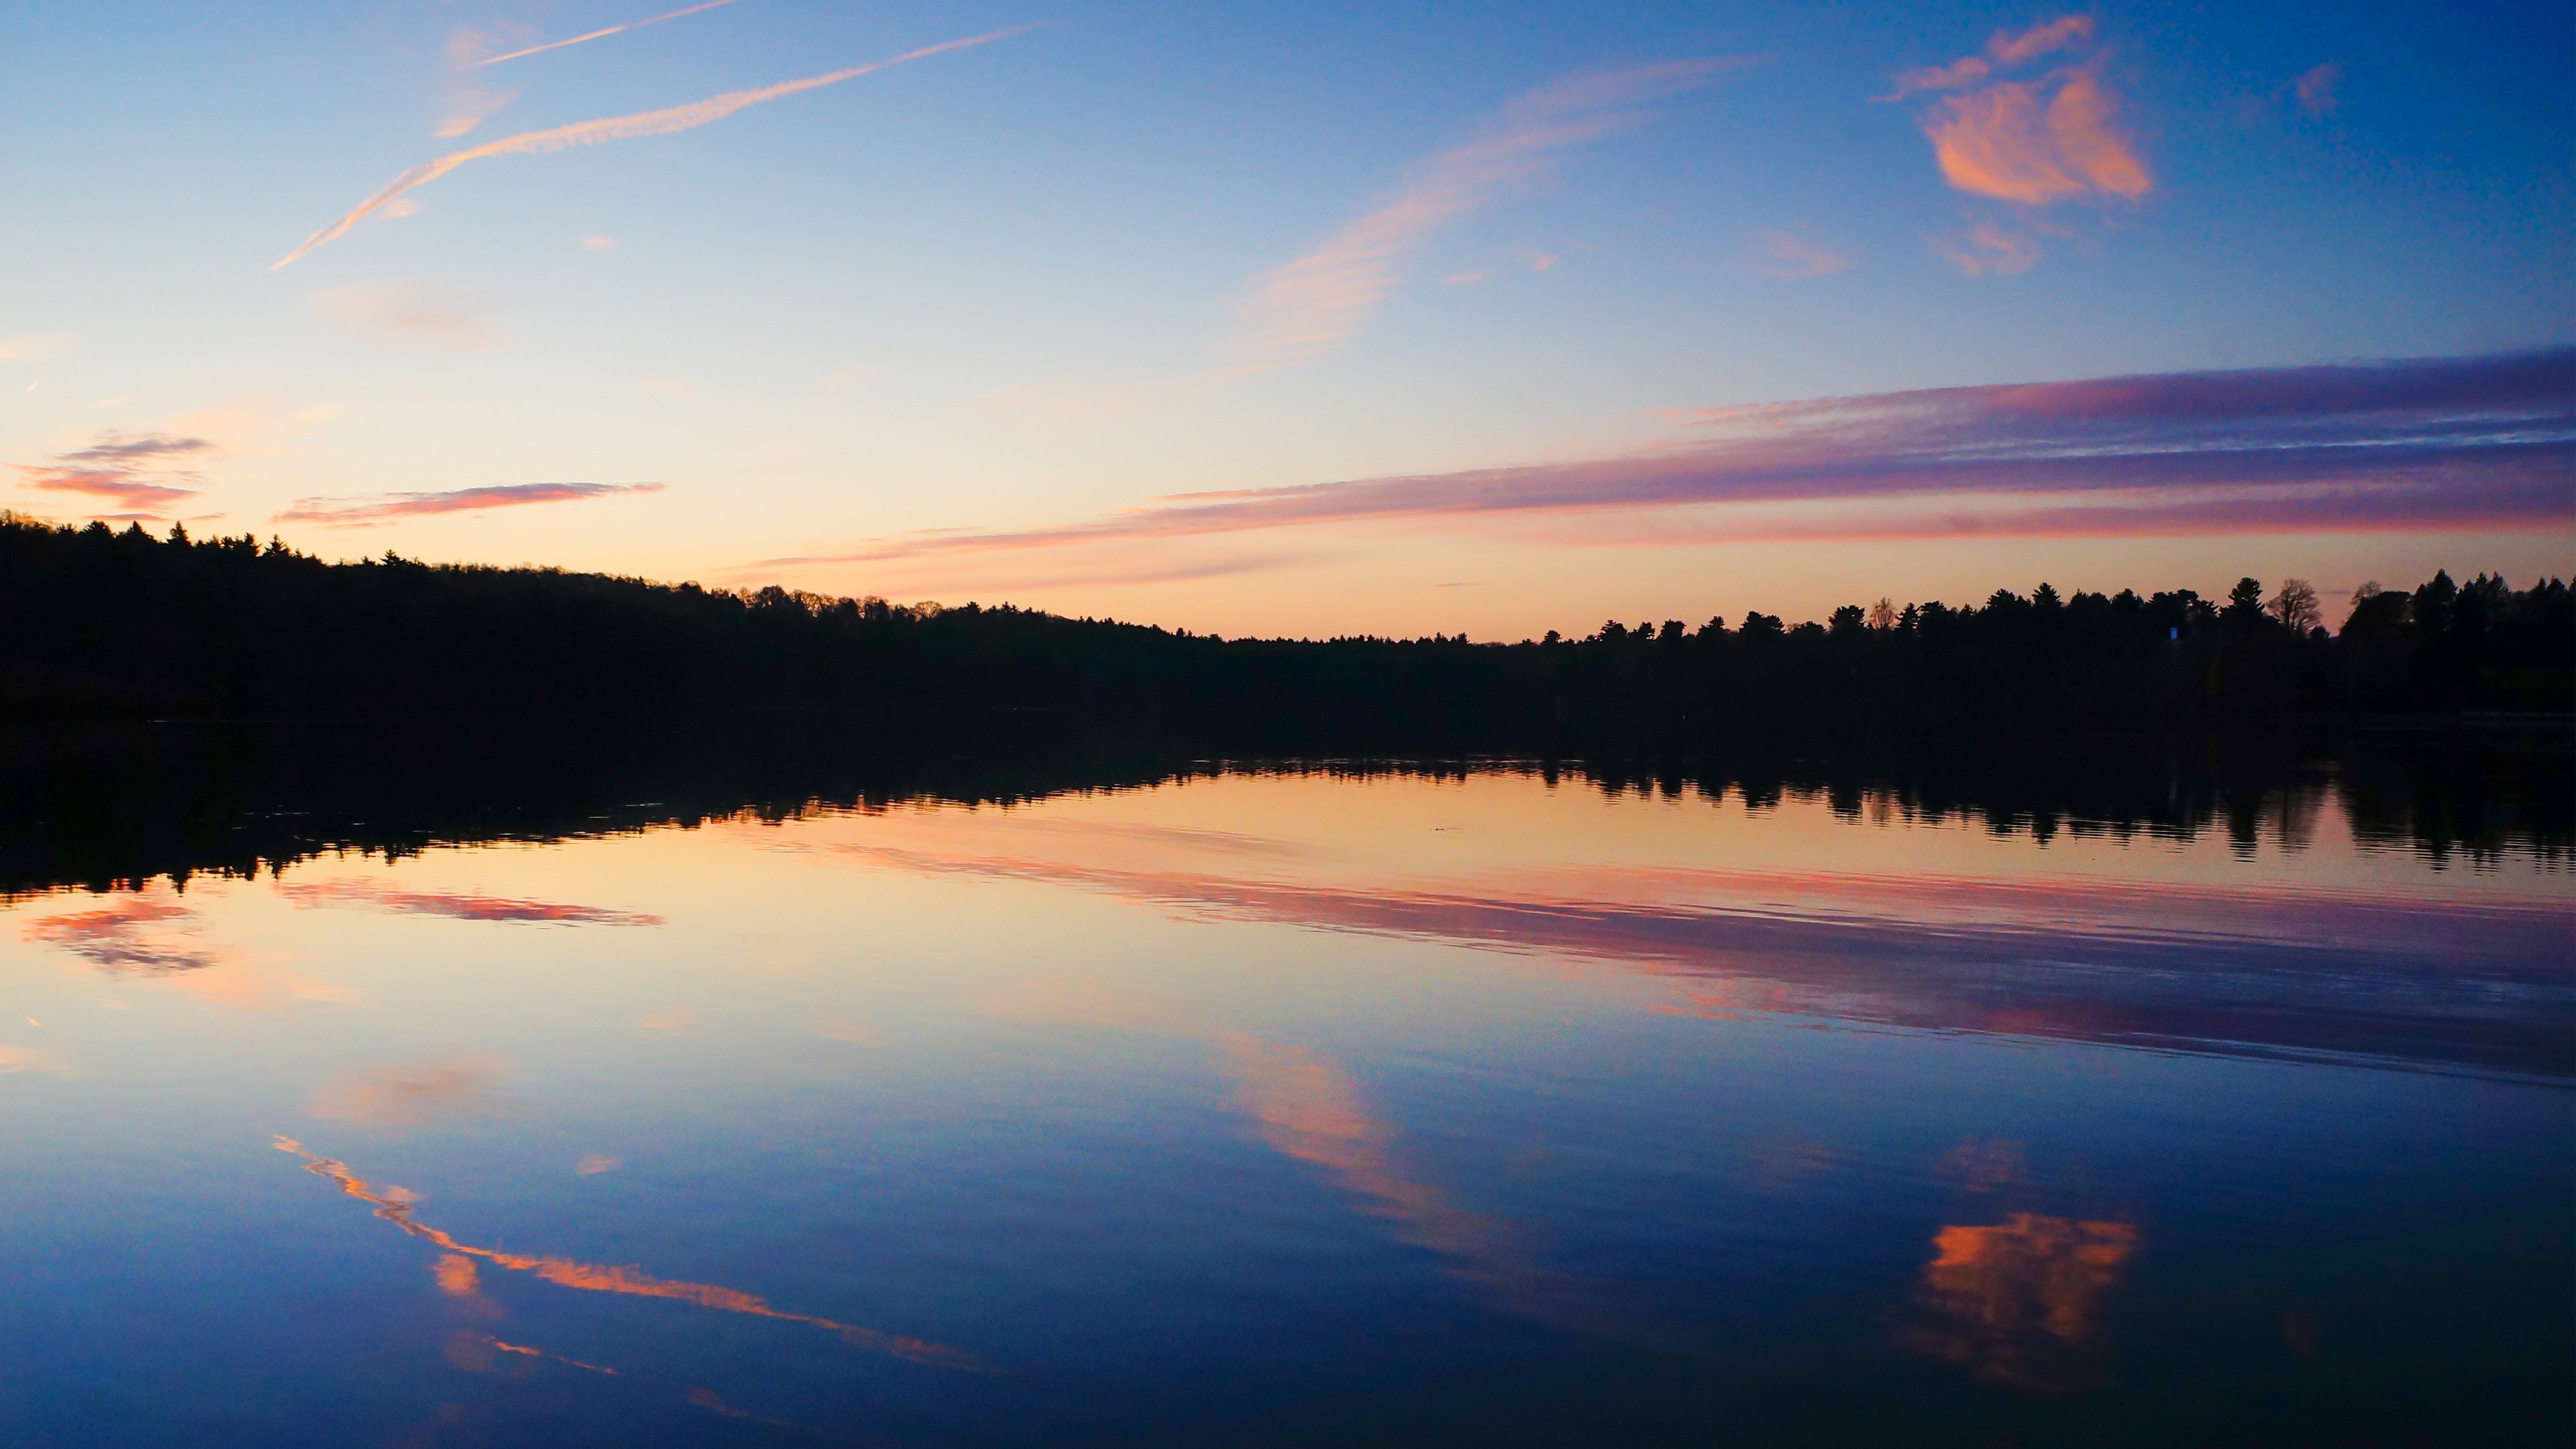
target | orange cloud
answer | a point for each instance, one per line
(2014, 1301)
(2034, 142)
(394, 1205)
(455, 1275)
(2015, 142)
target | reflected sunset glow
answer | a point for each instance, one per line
(2017, 1301)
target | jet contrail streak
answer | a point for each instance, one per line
(595, 35)
(616, 128)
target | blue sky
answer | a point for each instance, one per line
(1041, 280)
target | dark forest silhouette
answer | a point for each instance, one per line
(103, 623)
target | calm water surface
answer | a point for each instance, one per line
(1301, 1108)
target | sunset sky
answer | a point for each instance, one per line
(1398, 319)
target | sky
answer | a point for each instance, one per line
(1477, 318)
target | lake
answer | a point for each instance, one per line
(1292, 1102)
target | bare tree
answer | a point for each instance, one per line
(1882, 615)
(2296, 605)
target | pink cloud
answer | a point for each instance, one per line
(134, 471)
(2420, 445)
(464, 907)
(131, 935)
(360, 512)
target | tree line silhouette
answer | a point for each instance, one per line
(101, 622)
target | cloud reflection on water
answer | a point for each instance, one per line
(2457, 982)
(1306, 1107)
(150, 935)
(460, 906)
(411, 1096)
(2019, 1301)
(130, 935)
(394, 1205)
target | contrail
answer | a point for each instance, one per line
(616, 128)
(595, 35)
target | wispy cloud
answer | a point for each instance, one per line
(2039, 40)
(2033, 142)
(1988, 246)
(463, 906)
(411, 1096)
(597, 34)
(1302, 311)
(26, 346)
(2418, 445)
(1791, 257)
(356, 512)
(617, 128)
(468, 109)
(141, 473)
(2004, 49)
(2316, 89)
(412, 312)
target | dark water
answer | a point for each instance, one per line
(370, 1089)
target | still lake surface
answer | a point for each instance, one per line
(1303, 1105)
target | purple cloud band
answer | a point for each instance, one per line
(351, 512)
(2412, 445)
(116, 468)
